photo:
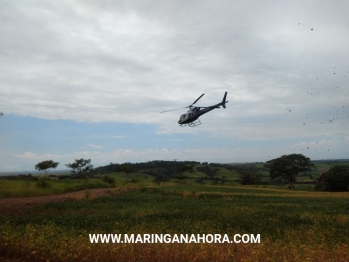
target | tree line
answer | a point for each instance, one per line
(287, 167)
(79, 168)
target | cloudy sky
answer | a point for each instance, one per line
(88, 79)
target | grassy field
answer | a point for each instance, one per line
(293, 225)
(22, 188)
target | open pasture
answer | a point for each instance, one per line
(293, 226)
(21, 188)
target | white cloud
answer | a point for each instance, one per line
(130, 61)
(34, 156)
(131, 155)
(95, 146)
(28, 155)
(126, 61)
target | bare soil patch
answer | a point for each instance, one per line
(322, 170)
(17, 205)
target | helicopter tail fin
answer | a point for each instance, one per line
(223, 102)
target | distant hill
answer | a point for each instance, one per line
(330, 161)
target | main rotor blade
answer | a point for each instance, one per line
(173, 109)
(197, 99)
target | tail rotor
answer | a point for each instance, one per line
(223, 101)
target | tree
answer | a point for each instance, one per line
(81, 167)
(187, 168)
(46, 166)
(183, 170)
(336, 179)
(249, 178)
(288, 166)
(207, 171)
(43, 182)
(108, 179)
(126, 168)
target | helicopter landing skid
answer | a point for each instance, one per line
(194, 123)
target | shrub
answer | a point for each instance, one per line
(108, 179)
(43, 183)
(336, 179)
(248, 178)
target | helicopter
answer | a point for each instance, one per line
(191, 118)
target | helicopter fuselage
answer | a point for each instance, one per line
(195, 112)
(191, 117)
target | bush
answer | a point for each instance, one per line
(43, 183)
(336, 179)
(161, 179)
(86, 185)
(108, 179)
(248, 178)
(200, 180)
(208, 171)
(62, 177)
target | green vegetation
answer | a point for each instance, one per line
(108, 179)
(44, 186)
(198, 198)
(192, 211)
(294, 225)
(336, 179)
(46, 166)
(161, 173)
(43, 183)
(80, 167)
(127, 169)
(248, 178)
(289, 166)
